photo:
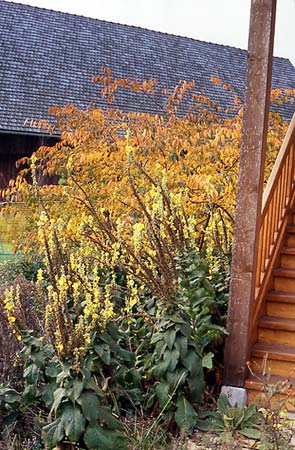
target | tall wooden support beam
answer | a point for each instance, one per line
(250, 189)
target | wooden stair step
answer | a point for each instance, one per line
(277, 323)
(256, 382)
(258, 387)
(278, 367)
(291, 229)
(280, 309)
(274, 351)
(280, 297)
(284, 273)
(274, 359)
(284, 279)
(288, 250)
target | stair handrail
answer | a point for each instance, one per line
(278, 199)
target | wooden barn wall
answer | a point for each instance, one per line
(15, 146)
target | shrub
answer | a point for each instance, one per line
(130, 319)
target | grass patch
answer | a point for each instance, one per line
(6, 251)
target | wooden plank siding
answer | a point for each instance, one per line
(15, 146)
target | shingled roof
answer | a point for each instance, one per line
(49, 58)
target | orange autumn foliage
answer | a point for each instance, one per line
(100, 152)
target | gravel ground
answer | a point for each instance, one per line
(211, 441)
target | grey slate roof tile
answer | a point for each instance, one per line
(49, 58)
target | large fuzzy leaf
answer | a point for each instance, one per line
(174, 358)
(90, 404)
(197, 385)
(223, 404)
(169, 337)
(58, 395)
(53, 433)
(250, 433)
(163, 391)
(106, 417)
(192, 361)
(99, 438)
(76, 390)
(176, 378)
(181, 344)
(48, 393)
(207, 360)
(104, 352)
(74, 422)
(185, 416)
(161, 368)
(31, 373)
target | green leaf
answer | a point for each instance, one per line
(63, 374)
(38, 358)
(181, 344)
(176, 319)
(120, 352)
(223, 404)
(31, 374)
(207, 360)
(74, 422)
(160, 348)
(163, 391)
(192, 361)
(176, 378)
(92, 363)
(58, 395)
(53, 433)
(113, 331)
(11, 396)
(30, 392)
(250, 433)
(174, 358)
(104, 352)
(160, 369)
(156, 337)
(169, 337)
(185, 416)
(90, 404)
(62, 181)
(151, 400)
(75, 391)
(123, 354)
(98, 438)
(250, 413)
(52, 369)
(106, 417)
(197, 385)
(206, 425)
(185, 329)
(48, 393)
(92, 384)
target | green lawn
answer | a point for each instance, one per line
(6, 251)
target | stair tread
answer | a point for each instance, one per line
(283, 272)
(288, 250)
(257, 382)
(280, 296)
(277, 323)
(291, 229)
(275, 351)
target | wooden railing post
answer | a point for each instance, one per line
(250, 189)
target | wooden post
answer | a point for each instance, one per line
(250, 189)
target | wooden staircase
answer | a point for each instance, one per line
(273, 353)
(272, 345)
